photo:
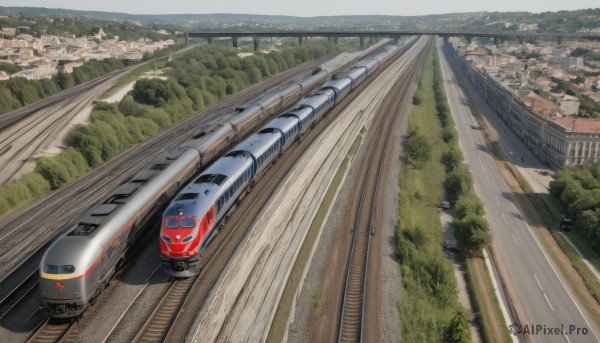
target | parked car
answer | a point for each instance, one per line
(445, 205)
(451, 244)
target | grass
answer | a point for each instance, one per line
(484, 301)
(423, 317)
(280, 321)
(132, 76)
(315, 300)
(475, 266)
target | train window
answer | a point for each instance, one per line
(68, 269)
(187, 222)
(171, 223)
(53, 269)
(208, 217)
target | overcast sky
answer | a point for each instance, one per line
(308, 8)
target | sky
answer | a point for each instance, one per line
(308, 8)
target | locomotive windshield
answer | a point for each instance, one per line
(186, 222)
(174, 223)
(53, 269)
(171, 223)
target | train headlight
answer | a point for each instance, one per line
(187, 239)
(191, 253)
(166, 239)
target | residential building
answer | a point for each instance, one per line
(559, 141)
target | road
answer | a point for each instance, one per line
(538, 293)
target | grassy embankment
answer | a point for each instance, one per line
(429, 301)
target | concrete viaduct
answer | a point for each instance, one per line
(498, 37)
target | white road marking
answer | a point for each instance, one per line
(514, 239)
(503, 217)
(538, 281)
(497, 203)
(549, 304)
(567, 338)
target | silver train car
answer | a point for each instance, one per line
(80, 263)
(196, 215)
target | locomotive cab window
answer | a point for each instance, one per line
(54, 269)
(187, 222)
(171, 223)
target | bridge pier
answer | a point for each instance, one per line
(521, 40)
(256, 41)
(335, 40)
(446, 40)
(496, 40)
(209, 40)
(235, 42)
(300, 39)
(187, 39)
(371, 39)
(362, 41)
(469, 39)
(559, 40)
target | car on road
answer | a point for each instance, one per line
(445, 205)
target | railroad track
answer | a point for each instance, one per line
(65, 205)
(25, 288)
(168, 317)
(105, 177)
(10, 118)
(101, 181)
(43, 129)
(351, 327)
(50, 332)
(243, 216)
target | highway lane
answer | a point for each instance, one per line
(538, 293)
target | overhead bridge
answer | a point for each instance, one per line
(498, 37)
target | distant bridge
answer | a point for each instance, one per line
(393, 34)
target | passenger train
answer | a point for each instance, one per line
(193, 219)
(79, 264)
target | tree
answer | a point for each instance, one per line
(89, 146)
(458, 183)
(418, 149)
(472, 233)
(54, 172)
(458, 330)
(452, 158)
(63, 80)
(417, 98)
(467, 205)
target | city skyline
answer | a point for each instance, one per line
(308, 8)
